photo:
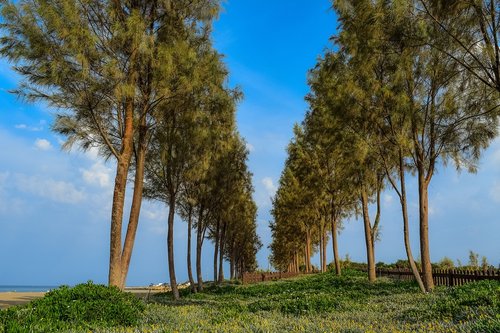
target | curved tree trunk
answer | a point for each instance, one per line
(170, 247)
(122, 168)
(368, 237)
(135, 209)
(406, 229)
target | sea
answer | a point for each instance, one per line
(27, 288)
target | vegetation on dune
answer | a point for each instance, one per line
(85, 306)
(314, 303)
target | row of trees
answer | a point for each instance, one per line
(408, 86)
(141, 81)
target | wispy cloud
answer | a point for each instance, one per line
(269, 186)
(54, 190)
(29, 128)
(98, 174)
(250, 147)
(43, 144)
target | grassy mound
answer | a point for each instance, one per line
(328, 303)
(85, 306)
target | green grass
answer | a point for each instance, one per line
(323, 303)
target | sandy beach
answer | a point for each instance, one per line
(13, 298)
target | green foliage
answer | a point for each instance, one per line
(326, 302)
(445, 263)
(83, 306)
(473, 259)
(311, 303)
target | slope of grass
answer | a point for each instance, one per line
(325, 303)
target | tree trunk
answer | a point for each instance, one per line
(122, 168)
(221, 254)
(115, 271)
(231, 263)
(170, 247)
(216, 249)
(368, 237)
(406, 229)
(324, 248)
(336, 258)
(189, 267)
(199, 243)
(321, 248)
(135, 209)
(308, 245)
(423, 196)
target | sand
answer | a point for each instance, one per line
(8, 299)
(16, 298)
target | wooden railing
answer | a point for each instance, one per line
(261, 277)
(445, 277)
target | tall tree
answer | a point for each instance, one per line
(102, 63)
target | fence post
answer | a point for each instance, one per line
(450, 277)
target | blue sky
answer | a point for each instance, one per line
(55, 206)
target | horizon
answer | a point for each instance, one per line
(55, 206)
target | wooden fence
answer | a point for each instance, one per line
(444, 277)
(261, 277)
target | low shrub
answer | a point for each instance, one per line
(83, 306)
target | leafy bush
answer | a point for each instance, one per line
(471, 299)
(83, 306)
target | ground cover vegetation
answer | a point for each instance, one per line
(314, 303)
(406, 87)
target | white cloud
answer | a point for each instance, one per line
(98, 174)
(388, 199)
(155, 215)
(92, 153)
(250, 147)
(55, 190)
(269, 185)
(29, 128)
(43, 144)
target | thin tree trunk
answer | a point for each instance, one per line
(189, 267)
(216, 249)
(231, 263)
(368, 237)
(305, 258)
(199, 243)
(423, 196)
(324, 248)
(170, 247)
(123, 164)
(406, 229)
(336, 258)
(221, 254)
(308, 245)
(321, 248)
